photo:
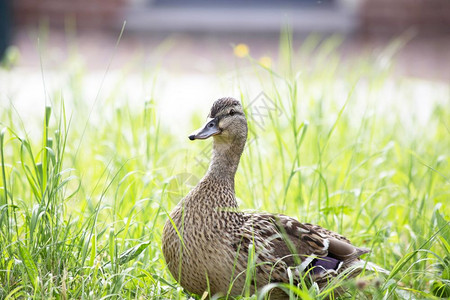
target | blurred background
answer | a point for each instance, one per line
(192, 43)
(203, 31)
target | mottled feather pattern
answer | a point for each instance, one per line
(217, 238)
(222, 105)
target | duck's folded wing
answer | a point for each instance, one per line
(320, 241)
(301, 245)
(284, 247)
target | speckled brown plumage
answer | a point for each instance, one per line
(207, 240)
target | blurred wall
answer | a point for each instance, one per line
(102, 14)
(375, 16)
(395, 16)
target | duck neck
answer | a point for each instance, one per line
(225, 160)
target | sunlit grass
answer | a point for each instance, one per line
(339, 143)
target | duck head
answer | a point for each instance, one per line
(226, 122)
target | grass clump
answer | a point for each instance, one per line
(84, 196)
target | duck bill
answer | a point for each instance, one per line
(209, 129)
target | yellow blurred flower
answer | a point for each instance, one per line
(265, 61)
(241, 50)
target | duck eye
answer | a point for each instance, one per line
(232, 112)
(210, 125)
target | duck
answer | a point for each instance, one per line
(209, 245)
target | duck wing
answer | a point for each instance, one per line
(288, 243)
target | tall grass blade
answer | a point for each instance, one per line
(30, 266)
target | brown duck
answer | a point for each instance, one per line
(209, 245)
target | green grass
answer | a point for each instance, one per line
(84, 195)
